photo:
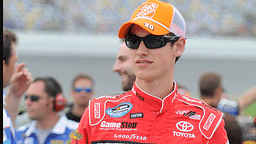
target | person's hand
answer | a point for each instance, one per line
(20, 80)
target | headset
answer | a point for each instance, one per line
(59, 102)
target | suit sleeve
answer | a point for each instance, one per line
(220, 135)
(82, 135)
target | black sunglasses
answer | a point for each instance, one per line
(151, 41)
(33, 98)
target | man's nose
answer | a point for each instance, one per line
(27, 101)
(116, 67)
(142, 50)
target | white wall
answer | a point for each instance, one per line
(107, 46)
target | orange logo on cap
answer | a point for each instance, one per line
(147, 10)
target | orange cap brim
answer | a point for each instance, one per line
(146, 24)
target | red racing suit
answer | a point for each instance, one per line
(138, 117)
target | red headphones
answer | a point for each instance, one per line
(59, 102)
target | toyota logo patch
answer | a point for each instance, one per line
(184, 126)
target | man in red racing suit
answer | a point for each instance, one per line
(153, 111)
(138, 117)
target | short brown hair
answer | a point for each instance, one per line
(51, 86)
(209, 82)
(9, 37)
(81, 76)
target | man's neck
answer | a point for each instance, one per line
(49, 121)
(79, 110)
(160, 88)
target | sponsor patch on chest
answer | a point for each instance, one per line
(130, 137)
(122, 126)
(120, 110)
(184, 129)
(189, 114)
(209, 121)
(136, 115)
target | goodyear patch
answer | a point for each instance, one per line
(120, 110)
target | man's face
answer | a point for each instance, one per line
(82, 98)
(37, 110)
(123, 66)
(9, 69)
(152, 64)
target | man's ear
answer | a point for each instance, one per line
(179, 46)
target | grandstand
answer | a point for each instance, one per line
(203, 17)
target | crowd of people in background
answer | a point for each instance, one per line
(53, 119)
(239, 127)
(203, 17)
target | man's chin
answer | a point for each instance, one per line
(32, 118)
(126, 87)
(83, 105)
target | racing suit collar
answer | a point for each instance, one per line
(151, 102)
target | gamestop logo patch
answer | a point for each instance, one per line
(127, 126)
